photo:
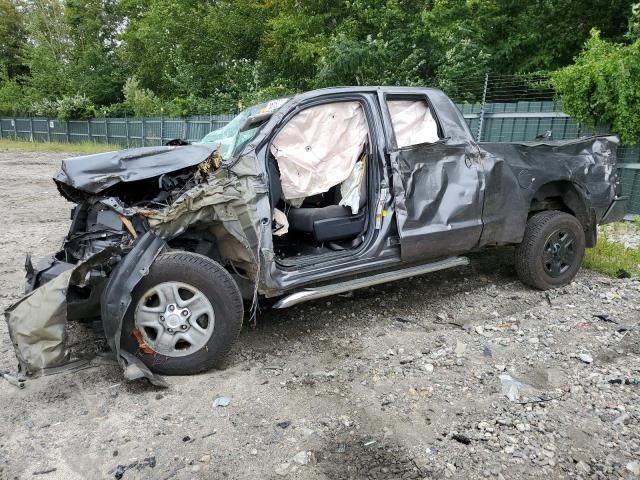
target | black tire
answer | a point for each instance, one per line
(539, 261)
(218, 287)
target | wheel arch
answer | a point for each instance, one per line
(569, 197)
(219, 245)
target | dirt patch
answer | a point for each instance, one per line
(398, 381)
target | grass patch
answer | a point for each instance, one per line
(80, 148)
(613, 259)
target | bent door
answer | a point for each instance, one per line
(437, 182)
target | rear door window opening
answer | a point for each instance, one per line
(413, 121)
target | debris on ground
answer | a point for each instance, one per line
(221, 402)
(585, 357)
(512, 388)
(137, 465)
(12, 379)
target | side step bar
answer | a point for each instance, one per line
(335, 288)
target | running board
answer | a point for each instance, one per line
(335, 288)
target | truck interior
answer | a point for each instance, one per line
(318, 167)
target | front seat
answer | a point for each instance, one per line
(331, 223)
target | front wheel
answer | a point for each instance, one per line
(551, 251)
(184, 316)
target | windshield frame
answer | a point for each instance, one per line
(231, 139)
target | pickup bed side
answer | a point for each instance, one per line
(575, 176)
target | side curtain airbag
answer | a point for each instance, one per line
(412, 122)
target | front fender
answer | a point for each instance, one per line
(116, 299)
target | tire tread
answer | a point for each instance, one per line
(526, 255)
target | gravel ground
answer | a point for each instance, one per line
(408, 380)
(626, 233)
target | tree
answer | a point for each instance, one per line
(91, 26)
(13, 40)
(49, 54)
(201, 56)
(169, 48)
(524, 37)
(602, 86)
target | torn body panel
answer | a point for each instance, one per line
(517, 172)
(93, 174)
(40, 340)
(116, 299)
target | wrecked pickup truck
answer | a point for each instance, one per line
(298, 198)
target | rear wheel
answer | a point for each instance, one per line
(184, 316)
(551, 251)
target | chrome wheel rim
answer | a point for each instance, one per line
(174, 319)
(559, 253)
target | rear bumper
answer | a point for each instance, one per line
(616, 210)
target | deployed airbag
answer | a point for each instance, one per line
(351, 190)
(319, 147)
(412, 122)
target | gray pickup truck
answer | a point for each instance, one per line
(298, 198)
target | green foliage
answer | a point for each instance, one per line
(142, 101)
(634, 23)
(48, 57)
(71, 107)
(92, 26)
(12, 98)
(465, 59)
(602, 86)
(613, 258)
(13, 40)
(68, 107)
(184, 57)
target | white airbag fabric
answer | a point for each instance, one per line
(319, 147)
(350, 189)
(280, 223)
(412, 122)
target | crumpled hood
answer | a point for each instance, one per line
(95, 173)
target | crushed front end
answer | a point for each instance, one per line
(130, 206)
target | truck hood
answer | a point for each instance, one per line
(95, 173)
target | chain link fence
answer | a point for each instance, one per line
(505, 108)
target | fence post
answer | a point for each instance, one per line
(143, 134)
(482, 108)
(31, 128)
(106, 131)
(48, 130)
(162, 129)
(89, 129)
(66, 133)
(184, 128)
(126, 129)
(15, 129)
(210, 122)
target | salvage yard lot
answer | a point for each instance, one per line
(398, 381)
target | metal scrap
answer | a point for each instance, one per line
(13, 380)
